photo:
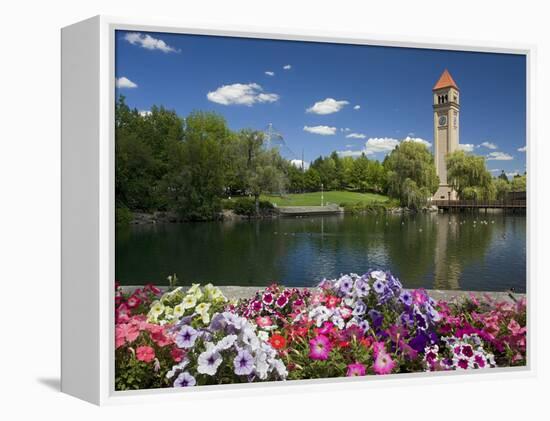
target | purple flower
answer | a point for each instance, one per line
(186, 337)
(379, 286)
(185, 380)
(345, 284)
(362, 288)
(406, 298)
(364, 324)
(319, 348)
(359, 309)
(243, 363)
(376, 318)
(209, 361)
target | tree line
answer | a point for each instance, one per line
(190, 165)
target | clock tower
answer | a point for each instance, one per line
(446, 105)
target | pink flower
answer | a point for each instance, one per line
(383, 364)
(264, 321)
(345, 312)
(177, 354)
(419, 296)
(145, 354)
(125, 332)
(356, 369)
(515, 328)
(133, 301)
(319, 348)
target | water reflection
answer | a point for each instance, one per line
(444, 251)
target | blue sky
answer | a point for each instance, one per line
(325, 97)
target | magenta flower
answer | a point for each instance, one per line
(356, 369)
(282, 301)
(268, 299)
(383, 364)
(319, 348)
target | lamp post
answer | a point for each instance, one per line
(322, 194)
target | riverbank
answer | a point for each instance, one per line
(169, 217)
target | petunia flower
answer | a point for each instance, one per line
(185, 380)
(145, 353)
(356, 369)
(319, 348)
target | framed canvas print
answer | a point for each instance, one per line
(246, 210)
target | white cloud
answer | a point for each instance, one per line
(145, 113)
(298, 163)
(241, 94)
(322, 130)
(380, 144)
(356, 136)
(466, 147)
(123, 82)
(345, 129)
(523, 149)
(350, 153)
(270, 73)
(499, 156)
(357, 107)
(488, 145)
(418, 140)
(287, 67)
(511, 174)
(148, 42)
(495, 170)
(327, 106)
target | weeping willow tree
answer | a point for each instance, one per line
(468, 176)
(411, 175)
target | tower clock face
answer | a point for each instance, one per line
(443, 120)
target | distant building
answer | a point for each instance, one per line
(446, 105)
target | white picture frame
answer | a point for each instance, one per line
(88, 82)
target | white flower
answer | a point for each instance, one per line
(189, 301)
(226, 343)
(279, 366)
(202, 307)
(263, 335)
(338, 322)
(195, 290)
(378, 274)
(209, 361)
(249, 337)
(156, 309)
(179, 311)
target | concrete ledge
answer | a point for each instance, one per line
(239, 292)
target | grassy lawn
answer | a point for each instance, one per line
(335, 197)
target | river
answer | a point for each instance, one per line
(483, 252)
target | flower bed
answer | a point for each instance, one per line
(351, 326)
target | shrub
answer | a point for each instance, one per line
(123, 216)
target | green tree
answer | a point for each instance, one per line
(198, 184)
(503, 176)
(265, 169)
(501, 188)
(312, 180)
(519, 183)
(468, 175)
(411, 176)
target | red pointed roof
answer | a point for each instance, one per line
(445, 81)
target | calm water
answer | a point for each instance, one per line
(446, 251)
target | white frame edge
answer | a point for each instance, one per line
(88, 95)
